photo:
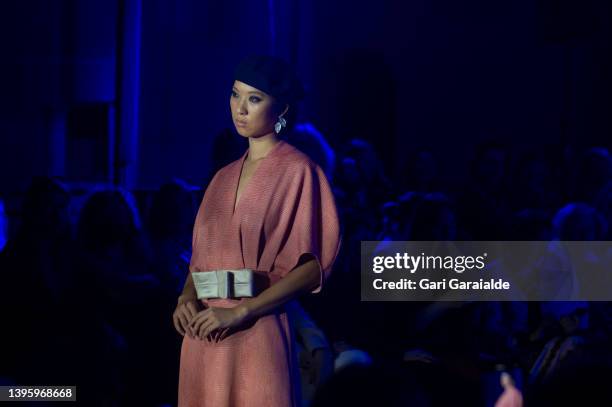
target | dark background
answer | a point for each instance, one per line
(154, 77)
(449, 120)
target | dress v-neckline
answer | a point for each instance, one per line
(237, 200)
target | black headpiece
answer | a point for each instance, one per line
(270, 75)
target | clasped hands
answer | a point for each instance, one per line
(212, 323)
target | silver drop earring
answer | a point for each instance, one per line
(280, 124)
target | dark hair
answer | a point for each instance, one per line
(108, 217)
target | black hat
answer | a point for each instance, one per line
(270, 75)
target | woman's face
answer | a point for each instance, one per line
(253, 111)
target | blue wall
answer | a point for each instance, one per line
(416, 74)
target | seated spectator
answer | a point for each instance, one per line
(312, 142)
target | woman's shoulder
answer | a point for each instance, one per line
(295, 159)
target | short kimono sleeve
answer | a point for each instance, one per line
(315, 229)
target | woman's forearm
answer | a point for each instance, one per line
(189, 291)
(301, 279)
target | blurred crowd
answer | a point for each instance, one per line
(90, 279)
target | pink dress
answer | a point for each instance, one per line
(286, 209)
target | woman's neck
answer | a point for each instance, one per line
(260, 146)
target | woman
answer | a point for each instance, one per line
(271, 211)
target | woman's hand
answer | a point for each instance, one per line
(186, 309)
(214, 318)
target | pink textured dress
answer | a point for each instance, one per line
(286, 209)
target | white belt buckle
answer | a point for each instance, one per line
(244, 283)
(211, 284)
(224, 283)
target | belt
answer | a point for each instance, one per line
(229, 283)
